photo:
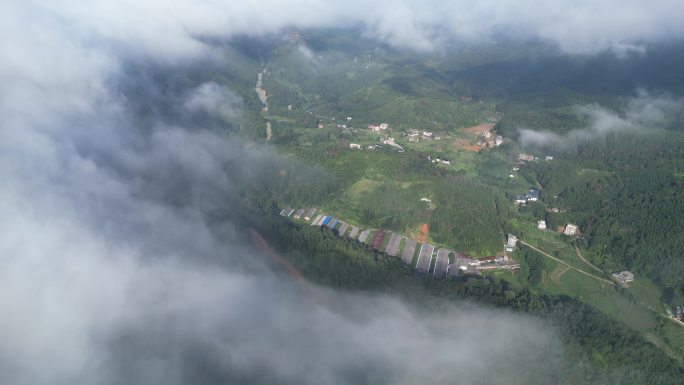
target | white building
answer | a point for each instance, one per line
(624, 276)
(525, 157)
(520, 199)
(355, 146)
(541, 224)
(570, 229)
(511, 242)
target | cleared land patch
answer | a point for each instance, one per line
(465, 144)
(480, 128)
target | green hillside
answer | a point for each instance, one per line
(623, 189)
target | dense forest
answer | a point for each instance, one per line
(626, 193)
(470, 215)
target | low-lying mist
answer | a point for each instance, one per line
(641, 114)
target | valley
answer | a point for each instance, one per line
(410, 150)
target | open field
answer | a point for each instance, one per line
(465, 144)
(573, 277)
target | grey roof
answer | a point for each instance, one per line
(425, 258)
(409, 250)
(393, 245)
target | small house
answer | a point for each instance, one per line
(533, 195)
(624, 276)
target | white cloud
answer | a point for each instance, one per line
(643, 113)
(215, 100)
(165, 30)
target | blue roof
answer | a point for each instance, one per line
(326, 220)
(533, 193)
(333, 223)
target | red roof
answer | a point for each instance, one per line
(377, 240)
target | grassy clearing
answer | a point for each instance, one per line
(616, 305)
(549, 242)
(362, 186)
(563, 280)
(673, 335)
(647, 293)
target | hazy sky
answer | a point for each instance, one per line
(111, 272)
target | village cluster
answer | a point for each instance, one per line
(440, 261)
(533, 196)
(489, 140)
(485, 138)
(522, 158)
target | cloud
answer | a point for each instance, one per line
(580, 26)
(121, 252)
(215, 100)
(642, 113)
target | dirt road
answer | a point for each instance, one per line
(566, 264)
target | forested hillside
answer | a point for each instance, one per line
(621, 185)
(627, 194)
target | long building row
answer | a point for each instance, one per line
(423, 257)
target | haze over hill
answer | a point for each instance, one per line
(124, 191)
